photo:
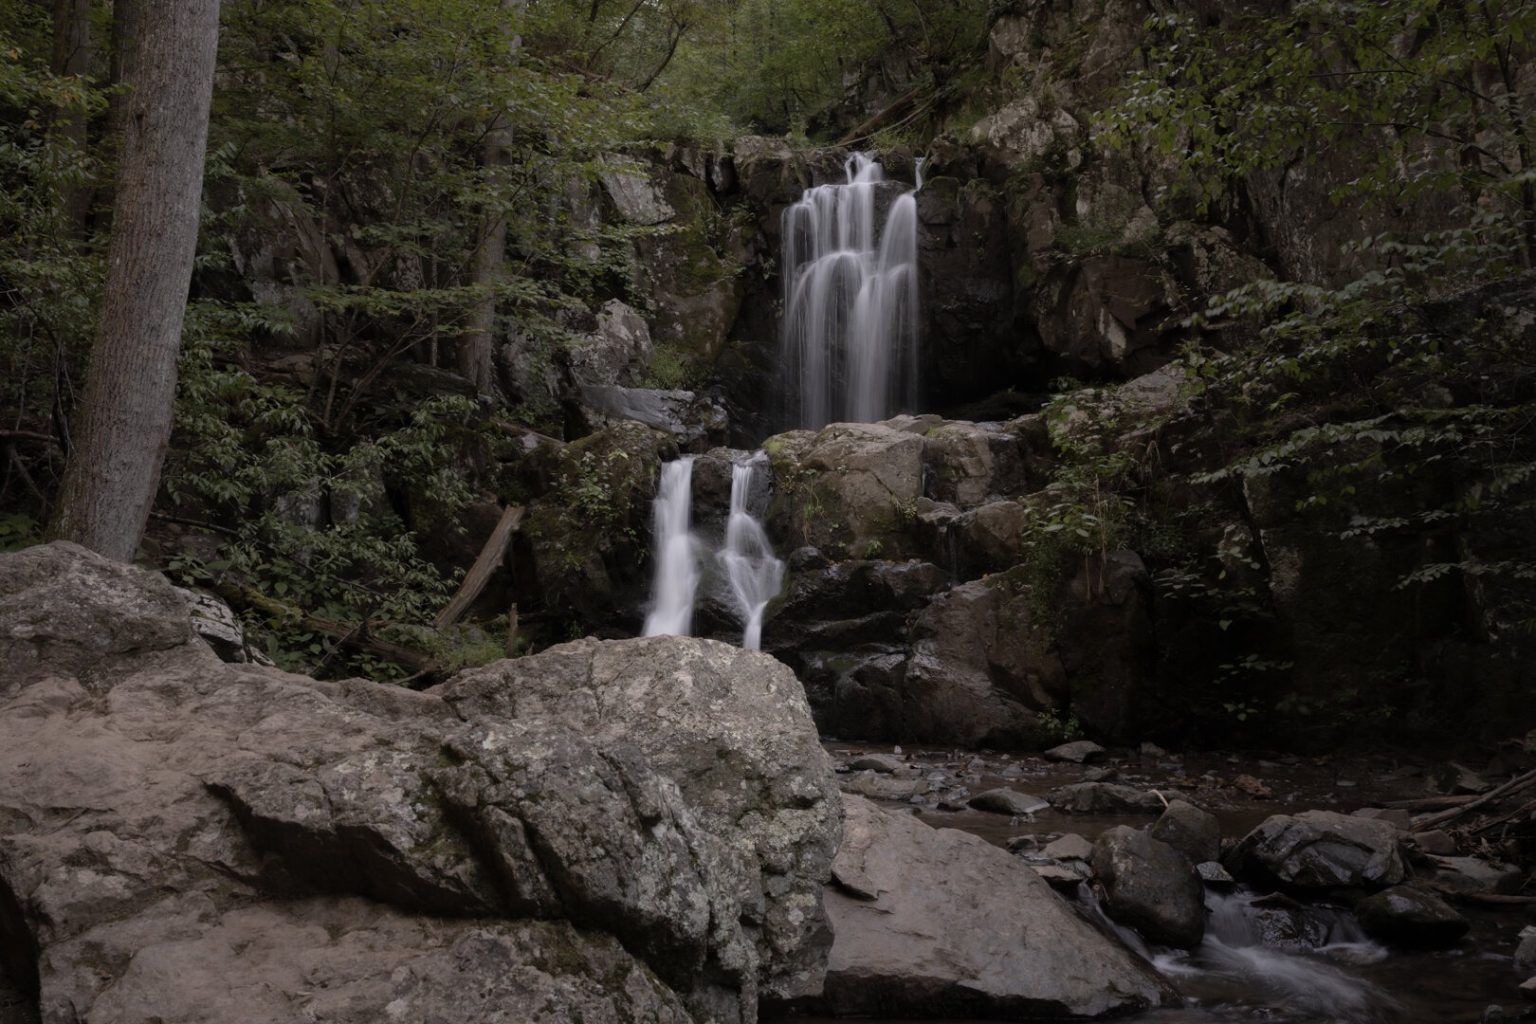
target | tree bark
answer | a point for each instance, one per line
(476, 349)
(72, 56)
(168, 48)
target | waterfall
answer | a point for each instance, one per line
(746, 559)
(677, 564)
(850, 301)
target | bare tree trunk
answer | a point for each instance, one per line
(72, 55)
(124, 422)
(476, 349)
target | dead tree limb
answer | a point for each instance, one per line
(489, 560)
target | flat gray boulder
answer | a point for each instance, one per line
(938, 922)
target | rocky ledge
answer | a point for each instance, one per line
(634, 830)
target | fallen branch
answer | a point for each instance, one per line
(894, 109)
(1496, 899)
(486, 563)
(356, 637)
(1429, 803)
(1503, 819)
(1514, 785)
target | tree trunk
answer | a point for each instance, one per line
(476, 349)
(72, 55)
(124, 422)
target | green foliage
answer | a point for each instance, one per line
(50, 270)
(1425, 94)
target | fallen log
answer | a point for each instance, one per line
(355, 637)
(895, 109)
(486, 563)
(1514, 785)
(1429, 803)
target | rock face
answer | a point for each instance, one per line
(635, 830)
(936, 922)
(1150, 886)
(1322, 850)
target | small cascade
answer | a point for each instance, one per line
(754, 575)
(850, 301)
(677, 563)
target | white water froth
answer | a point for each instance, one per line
(752, 572)
(850, 302)
(1234, 965)
(676, 552)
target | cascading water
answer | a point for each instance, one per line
(753, 574)
(677, 563)
(850, 301)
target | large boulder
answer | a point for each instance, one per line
(180, 835)
(848, 489)
(1322, 850)
(937, 922)
(1150, 886)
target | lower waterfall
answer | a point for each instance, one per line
(747, 560)
(677, 563)
(750, 575)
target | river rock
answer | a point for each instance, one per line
(962, 928)
(1436, 842)
(1150, 886)
(179, 835)
(1193, 832)
(1408, 916)
(1214, 875)
(1069, 847)
(1322, 850)
(1105, 798)
(1007, 801)
(1472, 874)
(885, 764)
(1077, 752)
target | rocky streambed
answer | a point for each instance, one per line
(1277, 922)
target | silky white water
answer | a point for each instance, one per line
(676, 552)
(850, 302)
(746, 559)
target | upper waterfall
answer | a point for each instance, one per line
(850, 301)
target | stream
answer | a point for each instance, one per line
(1256, 964)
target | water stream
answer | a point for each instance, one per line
(753, 573)
(850, 301)
(676, 555)
(748, 571)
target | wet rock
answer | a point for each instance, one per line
(1214, 875)
(1065, 876)
(1193, 832)
(1008, 801)
(1407, 916)
(1106, 798)
(885, 764)
(1472, 874)
(182, 835)
(963, 929)
(1525, 952)
(1322, 850)
(883, 787)
(1150, 886)
(1077, 752)
(1069, 847)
